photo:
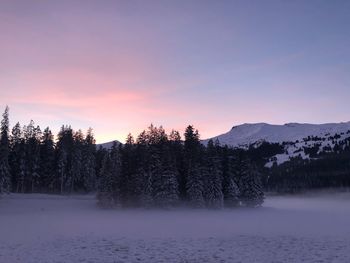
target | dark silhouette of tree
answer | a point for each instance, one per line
(5, 175)
(47, 161)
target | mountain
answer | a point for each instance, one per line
(107, 145)
(247, 134)
(303, 140)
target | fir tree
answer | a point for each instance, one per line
(232, 193)
(115, 155)
(47, 159)
(177, 153)
(166, 195)
(166, 185)
(105, 184)
(36, 172)
(143, 177)
(193, 177)
(64, 149)
(99, 157)
(32, 136)
(5, 175)
(195, 187)
(130, 186)
(62, 169)
(16, 149)
(231, 190)
(249, 182)
(77, 162)
(146, 188)
(89, 161)
(213, 177)
(155, 174)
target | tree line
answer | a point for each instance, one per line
(154, 170)
(32, 162)
(160, 170)
(329, 168)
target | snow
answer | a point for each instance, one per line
(108, 145)
(44, 228)
(292, 150)
(246, 134)
(296, 149)
(291, 134)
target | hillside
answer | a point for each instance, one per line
(298, 140)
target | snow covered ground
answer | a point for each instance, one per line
(42, 228)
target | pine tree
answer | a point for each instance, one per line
(166, 195)
(252, 193)
(130, 186)
(155, 174)
(213, 177)
(76, 170)
(142, 139)
(231, 190)
(191, 137)
(166, 192)
(89, 162)
(47, 161)
(32, 136)
(16, 148)
(249, 182)
(195, 187)
(177, 153)
(143, 178)
(232, 193)
(130, 140)
(36, 172)
(108, 190)
(5, 175)
(64, 150)
(116, 173)
(61, 169)
(105, 184)
(146, 199)
(99, 157)
(193, 176)
(22, 167)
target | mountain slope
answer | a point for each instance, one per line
(247, 134)
(107, 145)
(307, 141)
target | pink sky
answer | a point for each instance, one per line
(117, 66)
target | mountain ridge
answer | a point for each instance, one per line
(249, 133)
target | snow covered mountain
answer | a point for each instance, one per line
(247, 134)
(297, 138)
(107, 145)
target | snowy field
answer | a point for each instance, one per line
(42, 228)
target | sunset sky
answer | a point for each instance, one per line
(118, 66)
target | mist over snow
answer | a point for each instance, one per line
(48, 228)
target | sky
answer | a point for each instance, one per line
(118, 66)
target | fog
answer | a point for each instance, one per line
(45, 228)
